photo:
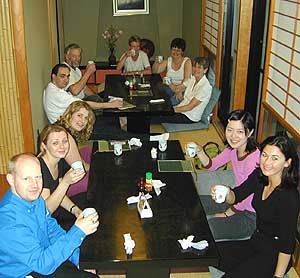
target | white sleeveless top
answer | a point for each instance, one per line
(176, 76)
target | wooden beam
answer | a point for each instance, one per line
(17, 14)
(242, 58)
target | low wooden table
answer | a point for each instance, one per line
(177, 213)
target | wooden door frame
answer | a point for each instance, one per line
(18, 28)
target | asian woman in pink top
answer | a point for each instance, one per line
(237, 221)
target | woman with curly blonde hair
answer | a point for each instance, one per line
(79, 120)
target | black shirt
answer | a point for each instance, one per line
(277, 215)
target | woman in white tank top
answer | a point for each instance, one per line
(178, 70)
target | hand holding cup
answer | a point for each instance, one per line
(219, 193)
(88, 221)
(191, 149)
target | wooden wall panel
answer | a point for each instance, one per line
(15, 113)
(11, 139)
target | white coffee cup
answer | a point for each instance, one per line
(221, 192)
(162, 145)
(118, 149)
(191, 149)
(90, 62)
(77, 165)
(133, 52)
(167, 80)
(160, 58)
(154, 153)
(88, 211)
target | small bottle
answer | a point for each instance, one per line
(142, 79)
(141, 185)
(148, 183)
(131, 84)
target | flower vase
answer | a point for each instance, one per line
(112, 60)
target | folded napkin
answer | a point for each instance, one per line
(135, 199)
(157, 184)
(129, 243)
(135, 141)
(111, 98)
(187, 243)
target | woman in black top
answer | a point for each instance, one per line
(276, 201)
(57, 175)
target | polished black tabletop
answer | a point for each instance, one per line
(115, 86)
(177, 213)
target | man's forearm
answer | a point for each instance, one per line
(99, 105)
(77, 87)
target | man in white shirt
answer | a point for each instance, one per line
(77, 82)
(134, 60)
(56, 99)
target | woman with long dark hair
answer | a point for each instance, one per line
(276, 201)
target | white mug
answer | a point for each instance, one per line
(132, 52)
(162, 145)
(154, 153)
(90, 62)
(118, 149)
(221, 192)
(191, 149)
(88, 211)
(77, 165)
(167, 80)
(160, 58)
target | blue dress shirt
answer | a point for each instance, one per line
(31, 240)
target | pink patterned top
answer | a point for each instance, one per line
(242, 168)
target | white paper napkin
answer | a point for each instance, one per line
(135, 141)
(135, 199)
(187, 243)
(111, 98)
(157, 184)
(129, 243)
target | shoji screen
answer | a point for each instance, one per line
(211, 25)
(281, 90)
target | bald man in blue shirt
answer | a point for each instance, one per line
(31, 241)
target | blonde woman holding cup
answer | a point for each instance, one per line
(57, 175)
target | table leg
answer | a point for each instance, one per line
(138, 124)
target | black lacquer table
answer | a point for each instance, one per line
(177, 213)
(138, 117)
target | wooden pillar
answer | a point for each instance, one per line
(242, 58)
